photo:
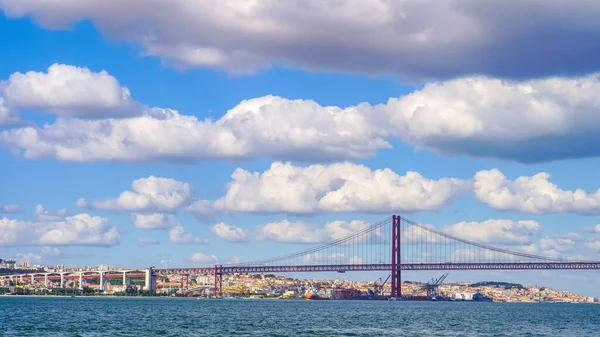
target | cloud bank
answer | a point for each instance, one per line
(413, 39)
(527, 121)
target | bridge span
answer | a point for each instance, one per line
(570, 265)
(394, 244)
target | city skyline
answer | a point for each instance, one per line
(128, 140)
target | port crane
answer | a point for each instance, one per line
(432, 286)
(379, 288)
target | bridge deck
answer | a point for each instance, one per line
(574, 265)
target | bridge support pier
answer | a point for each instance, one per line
(218, 286)
(62, 280)
(396, 257)
(80, 281)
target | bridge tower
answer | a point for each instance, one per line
(218, 286)
(396, 257)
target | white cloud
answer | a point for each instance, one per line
(303, 232)
(147, 241)
(10, 208)
(230, 233)
(267, 126)
(154, 220)
(76, 230)
(7, 116)
(342, 187)
(535, 194)
(69, 91)
(149, 194)
(527, 121)
(496, 231)
(292, 232)
(559, 244)
(593, 229)
(593, 245)
(420, 234)
(339, 229)
(203, 259)
(564, 246)
(44, 215)
(412, 38)
(178, 235)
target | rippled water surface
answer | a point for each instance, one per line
(46, 316)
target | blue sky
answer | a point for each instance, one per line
(442, 107)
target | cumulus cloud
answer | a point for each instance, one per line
(557, 245)
(10, 208)
(154, 220)
(593, 229)
(178, 235)
(7, 116)
(341, 187)
(77, 230)
(593, 245)
(203, 259)
(291, 232)
(411, 38)
(267, 126)
(528, 121)
(420, 233)
(304, 232)
(44, 215)
(149, 194)
(569, 246)
(230, 233)
(69, 91)
(496, 231)
(535, 194)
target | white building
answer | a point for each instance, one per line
(463, 296)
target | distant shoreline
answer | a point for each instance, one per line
(272, 299)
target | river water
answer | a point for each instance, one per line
(48, 316)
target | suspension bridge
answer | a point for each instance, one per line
(394, 244)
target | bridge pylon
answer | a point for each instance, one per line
(218, 286)
(396, 257)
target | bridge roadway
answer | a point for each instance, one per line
(80, 276)
(566, 265)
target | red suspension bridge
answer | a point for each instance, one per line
(394, 244)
